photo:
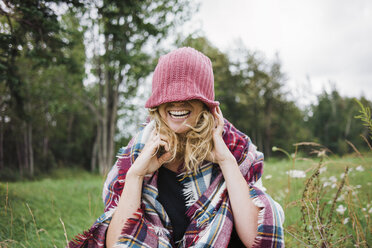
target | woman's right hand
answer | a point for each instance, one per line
(148, 161)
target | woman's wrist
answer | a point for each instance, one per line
(227, 160)
(133, 174)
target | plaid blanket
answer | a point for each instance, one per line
(208, 205)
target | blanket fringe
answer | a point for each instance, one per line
(131, 222)
(190, 196)
(160, 231)
(258, 203)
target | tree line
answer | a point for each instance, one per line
(52, 116)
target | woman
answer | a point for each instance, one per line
(188, 178)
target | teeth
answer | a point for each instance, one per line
(179, 114)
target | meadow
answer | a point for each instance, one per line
(326, 205)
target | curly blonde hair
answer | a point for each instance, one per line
(194, 146)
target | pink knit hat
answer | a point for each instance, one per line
(182, 75)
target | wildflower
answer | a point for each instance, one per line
(342, 175)
(333, 179)
(359, 168)
(323, 169)
(275, 148)
(326, 184)
(268, 176)
(358, 186)
(322, 153)
(341, 209)
(296, 173)
(346, 220)
(341, 198)
(370, 211)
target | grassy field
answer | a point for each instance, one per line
(337, 208)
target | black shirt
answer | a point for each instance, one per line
(174, 203)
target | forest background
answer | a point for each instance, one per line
(74, 77)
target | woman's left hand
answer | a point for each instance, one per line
(220, 152)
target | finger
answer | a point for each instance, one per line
(153, 134)
(219, 114)
(163, 137)
(164, 158)
(220, 118)
(164, 144)
(220, 125)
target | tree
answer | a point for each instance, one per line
(332, 121)
(121, 61)
(250, 90)
(32, 40)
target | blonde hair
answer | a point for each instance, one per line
(194, 146)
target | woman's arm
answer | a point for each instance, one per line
(130, 199)
(129, 202)
(244, 210)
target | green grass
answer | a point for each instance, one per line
(32, 212)
(355, 196)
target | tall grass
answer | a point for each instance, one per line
(49, 212)
(327, 202)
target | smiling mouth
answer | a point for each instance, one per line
(179, 114)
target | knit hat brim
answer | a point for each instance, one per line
(210, 104)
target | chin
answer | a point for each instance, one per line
(179, 129)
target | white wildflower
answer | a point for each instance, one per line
(341, 209)
(358, 186)
(268, 176)
(346, 220)
(296, 173)
(341, 198)
(333, 186)
(370, 211)
(322, 153)
(322, 170)
(333, 179)
(364, 209)
(326, 184)
(342, 175)
(359, 168)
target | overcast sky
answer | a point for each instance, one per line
(326, 40)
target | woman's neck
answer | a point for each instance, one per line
(174, 165)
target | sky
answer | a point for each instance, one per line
(317, 41)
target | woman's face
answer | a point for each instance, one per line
(180, 114)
